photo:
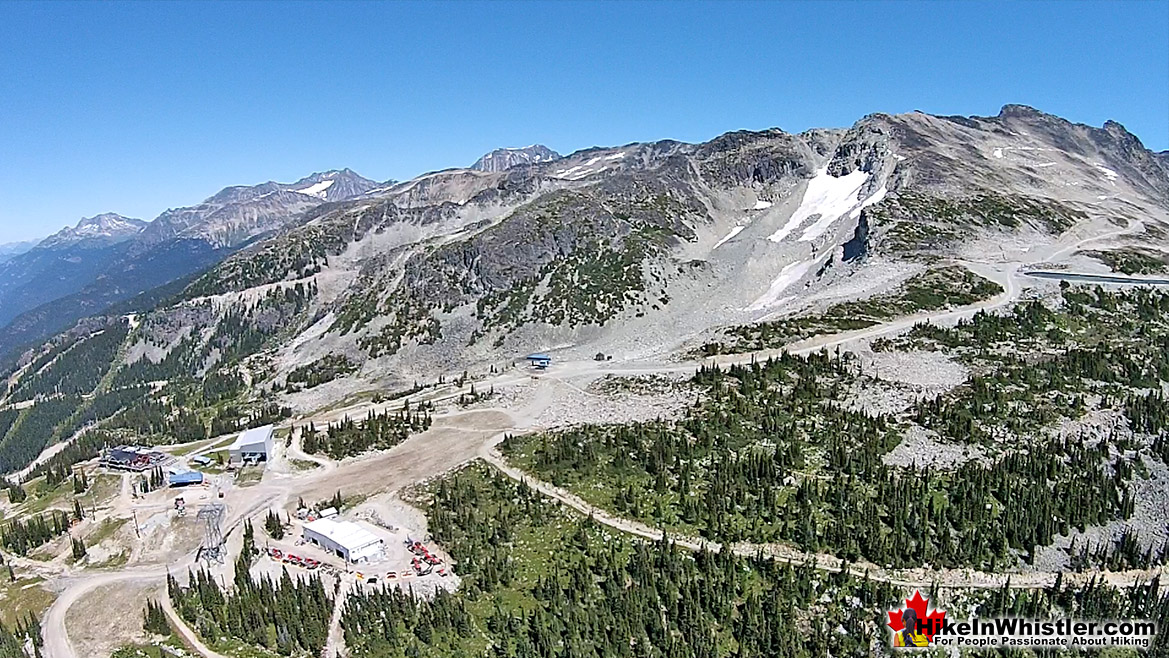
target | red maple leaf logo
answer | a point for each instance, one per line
(931, 621)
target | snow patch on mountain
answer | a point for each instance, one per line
(1109, 174)
(734, 231)
(318, 190)
(816, 230)
(790, 274)
(827, 197)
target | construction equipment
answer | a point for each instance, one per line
(418, 549)
(421, 569)
(212, 549)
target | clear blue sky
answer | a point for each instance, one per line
(137, 107)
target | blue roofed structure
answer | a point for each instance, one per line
(539, 361)
(185, 478)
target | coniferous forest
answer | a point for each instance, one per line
(538, 581)
(14, 640)
(20, 537)
(288, 616)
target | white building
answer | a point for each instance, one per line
(347, 540)
(254, 445)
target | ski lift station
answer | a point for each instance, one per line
(345, 539)
(539, 361)
(254, 446)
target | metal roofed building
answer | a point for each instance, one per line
(345, 539)
(539, 361)
(254, 445)
(185, 478)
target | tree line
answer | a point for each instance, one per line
(379, 431)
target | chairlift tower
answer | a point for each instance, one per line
(212, 517)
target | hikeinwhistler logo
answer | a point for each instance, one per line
(915, 624)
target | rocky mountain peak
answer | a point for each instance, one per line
(106, 228)
(334, 185)
(506, 158)
(1020, 110)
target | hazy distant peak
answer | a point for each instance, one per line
(506, 158)
(107, 228)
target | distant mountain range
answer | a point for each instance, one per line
(104, 259)
(9, 250)
(642, 248)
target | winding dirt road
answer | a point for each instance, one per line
(907, 578)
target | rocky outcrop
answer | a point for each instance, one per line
(504, 159)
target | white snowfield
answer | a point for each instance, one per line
(816, 230)
(828, 198)
(1110, 174)
(734, 231)
(791, 273)
(762, 205)
(317, 189)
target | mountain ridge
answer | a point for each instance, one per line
(9, 250)
(107, 258)
(770, 221)
(458, 265)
